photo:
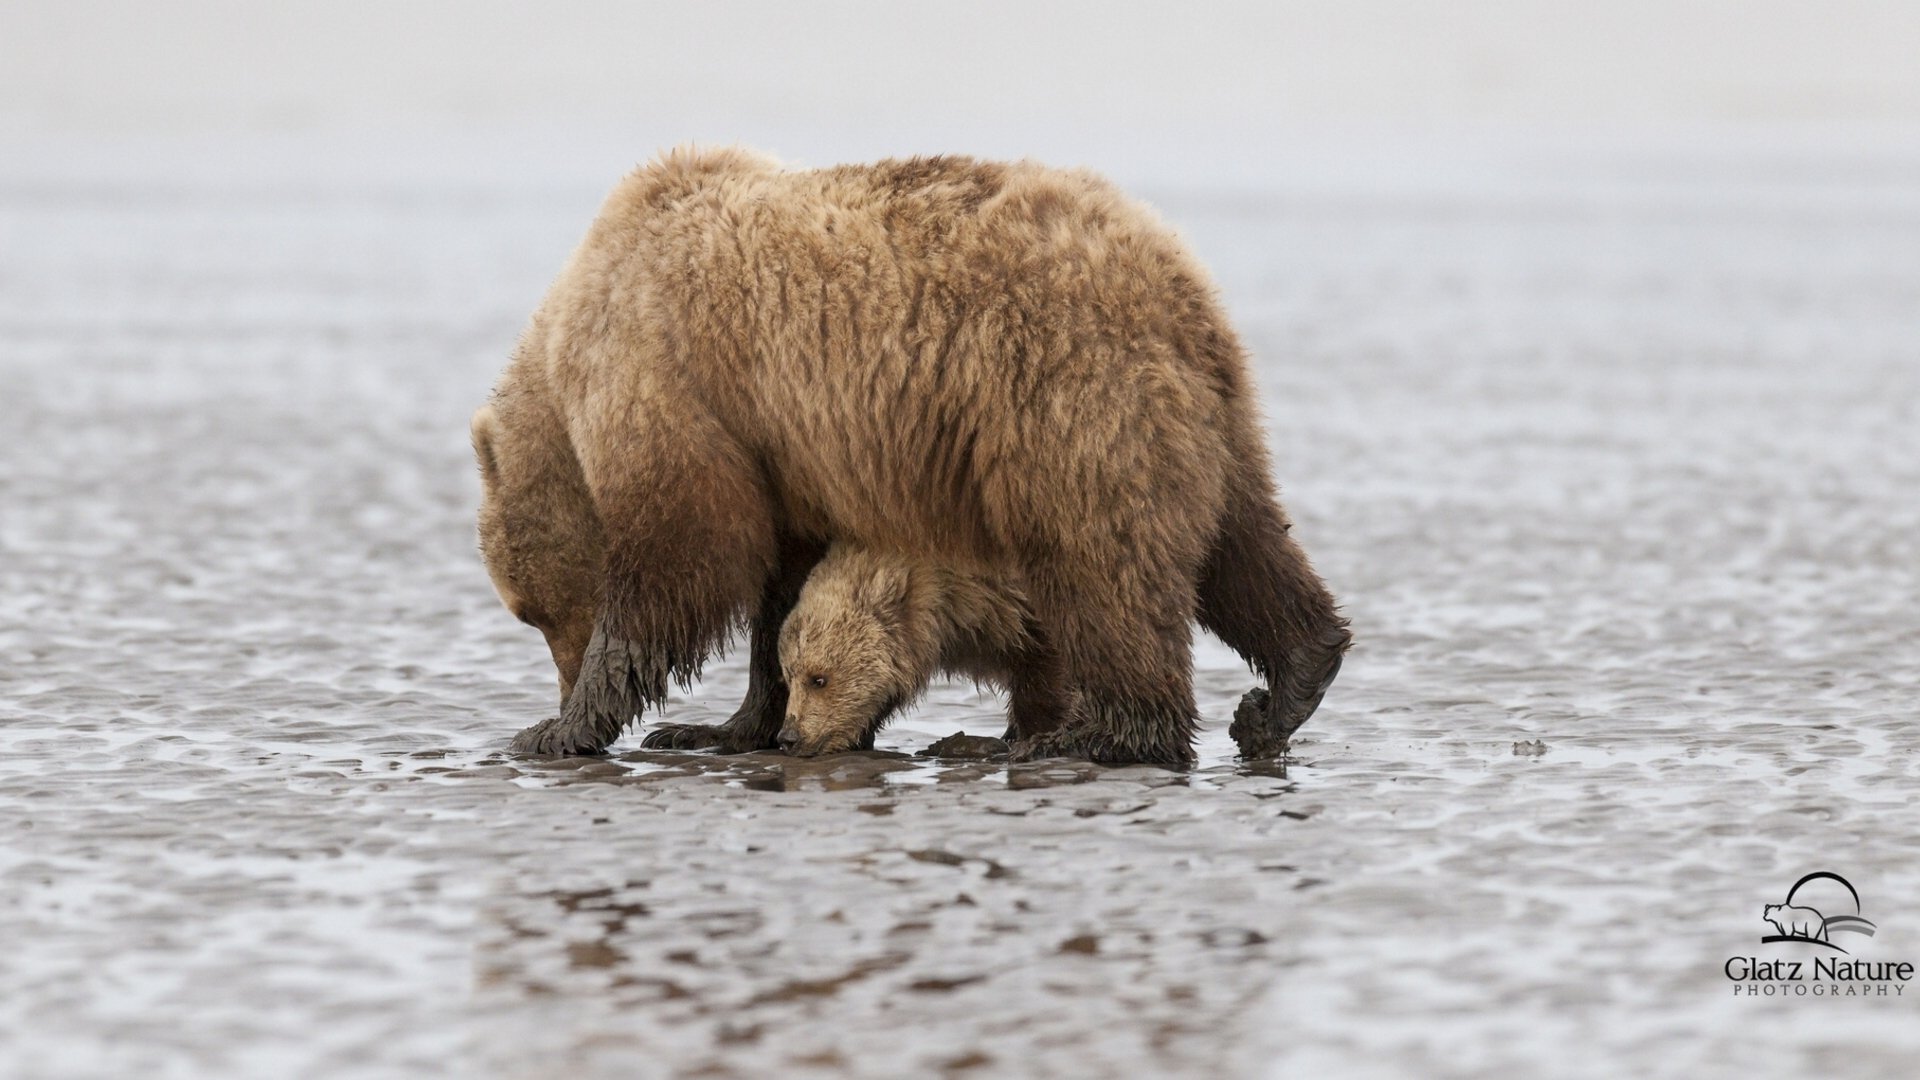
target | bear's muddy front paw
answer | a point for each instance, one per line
(728, 738)
(685, 737)
(554, 737)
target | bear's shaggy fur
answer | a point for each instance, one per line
(972, 363)
(871, 629)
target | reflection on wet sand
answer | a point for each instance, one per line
(880, 912)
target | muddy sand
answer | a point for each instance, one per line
(1613, 460)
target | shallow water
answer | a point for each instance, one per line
(1613, 460)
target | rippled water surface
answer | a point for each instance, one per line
(1613, 460)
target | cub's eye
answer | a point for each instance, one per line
(819, 682)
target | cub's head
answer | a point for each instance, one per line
(845, 654)
(539, 534)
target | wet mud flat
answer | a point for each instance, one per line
(1613, 465)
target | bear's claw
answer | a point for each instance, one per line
(1253, 730)
(685, 737)
(1264, 722)
(732, 737)
(553, 737)
(1038, 747)
(1090, 742)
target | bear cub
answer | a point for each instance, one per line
(872, 629)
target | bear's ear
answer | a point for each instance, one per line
(888, 594)
(484, 425)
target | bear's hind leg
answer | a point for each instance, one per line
(1039, 690)
(1260, 595)
(754, 725)
(1130, 659)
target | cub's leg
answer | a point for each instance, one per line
(754, 725)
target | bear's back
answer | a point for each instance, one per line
(897, 341)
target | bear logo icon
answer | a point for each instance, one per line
(1796, 922)
(1802, 922)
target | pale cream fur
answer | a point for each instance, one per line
(873, 628)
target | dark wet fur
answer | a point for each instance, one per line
(1260, 595)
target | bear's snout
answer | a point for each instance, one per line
(788, 738)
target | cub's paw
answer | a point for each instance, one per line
(555, 737)
(685, 737)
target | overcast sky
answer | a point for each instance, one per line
(711, 69)
(1226, 94)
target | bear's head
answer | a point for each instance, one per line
(539, 534)
(1780, 915)
(845, 654)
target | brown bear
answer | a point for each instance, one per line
(870, 631)
(970, 362)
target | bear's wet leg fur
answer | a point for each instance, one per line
(1039, 691)
(1260, 595)
(615, 678)
(755, 724)
(1130, 658)
(690, 546)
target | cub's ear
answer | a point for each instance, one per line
(889, 594)
(483, 429)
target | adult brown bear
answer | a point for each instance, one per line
(990, 364)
